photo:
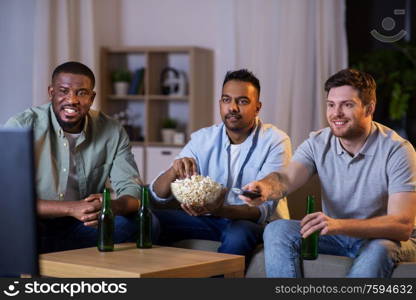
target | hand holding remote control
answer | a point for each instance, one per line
(246, 193)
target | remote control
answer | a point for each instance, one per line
(246, 193)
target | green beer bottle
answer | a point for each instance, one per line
(309, 248)
(145, 220)
(106, 224)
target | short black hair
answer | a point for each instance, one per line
(363, 82)
(243, 75)
(74, 67)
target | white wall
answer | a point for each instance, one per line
(183, 22)
(16, 36)
(200, 23)
(204, 23)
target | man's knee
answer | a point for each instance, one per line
(281, 228)
(127, 227)
(243, 230)
(382, 247)
(155, 228)
(241, 237)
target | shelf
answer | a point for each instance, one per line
(126, 97)
(146, 112)
(134, 143)
(155, 144)
(150, 97)
(161, 144)
(168, 97)
(153, 49)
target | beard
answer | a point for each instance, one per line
(351, 132)
(69, 125)
(236, 123)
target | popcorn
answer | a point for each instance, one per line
(197, 190)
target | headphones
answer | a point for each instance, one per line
(169, 81)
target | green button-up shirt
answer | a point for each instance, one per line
(102, 151)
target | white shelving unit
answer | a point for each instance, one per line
(147, 111)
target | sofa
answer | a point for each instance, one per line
(325, 266)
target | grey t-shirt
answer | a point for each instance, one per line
(359, 187)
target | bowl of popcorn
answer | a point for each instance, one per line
(196, 190)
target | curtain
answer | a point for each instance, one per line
(63, 31)
(293, 47)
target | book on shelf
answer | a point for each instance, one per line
(136, 81)
(140, 89)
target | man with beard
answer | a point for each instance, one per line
(232, 153)
(368, 177)
(76, 151)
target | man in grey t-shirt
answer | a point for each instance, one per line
(368, 177)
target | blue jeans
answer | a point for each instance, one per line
(372, 257)
(236, 236)
(68, 233)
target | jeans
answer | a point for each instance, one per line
(68, 233)
(236, 236)
(371, 257)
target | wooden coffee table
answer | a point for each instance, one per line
(128, 261)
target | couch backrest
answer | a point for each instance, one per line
(297, 200)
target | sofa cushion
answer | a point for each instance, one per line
(195, 244)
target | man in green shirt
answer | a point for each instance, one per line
(76, 151)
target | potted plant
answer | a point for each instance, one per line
(121, 80)
(394, 70)
(168, 130)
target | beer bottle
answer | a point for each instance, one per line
(145, 220)
(309, 249)
(106, 224)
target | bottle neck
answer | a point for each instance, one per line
(310, 208)
(106, 200)
(145, 196)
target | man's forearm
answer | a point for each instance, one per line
(278, 184)
(125, 205)
(162, 184)
(287, 180)
(53, 208)
(388, 227)
(243, 212)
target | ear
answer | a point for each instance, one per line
(50, 90)
(258, 106)
(370, 108)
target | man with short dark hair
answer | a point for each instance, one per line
(233, 153)
(368, 178)
(76, 151)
